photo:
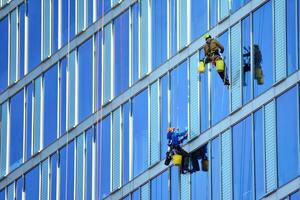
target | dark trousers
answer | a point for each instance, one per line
(222, 75)
(185, 160)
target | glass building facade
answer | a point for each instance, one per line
(89, 87)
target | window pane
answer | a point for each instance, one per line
(213, 13)
(236, 4)
(262, 47)
(242, 160)
(291, 36)
(2, 194)
(198, 18)
(13, 47)
(135, 42)
(259, 154)
(63, 174)
(71, 19)
(3, 54)
(79, 166)
(90, 8)
(46, 28)
(159, 32)
(44, 179)
(19, 188)
(3, 137)
(63, 95)
(29, 107)
(37, 115)
(64, 22)
(53, 176)
(215, 169)
(50, 105)
(34, 33)
(204, 99)
(246, 62)
(182, 24)
(55, 23)
(144, 37)
(179, 97)
(103, 6)
(164, 84)
(32, 184)
(125, 150)
(89, 162)
(80, 15)
(175, 189)
(103, 146)
(287, 136)
(10, 192)
(85, 80)
(220, 93)
(136, 195)
(98, 61)
(140, 132)
(159, 187)
(295, 196)
(16, 130)
(21, 40)
(121, 47)
(70, 171)
(107, 64)
(72, 89)
(173, 22)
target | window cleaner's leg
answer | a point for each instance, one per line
(224, 78)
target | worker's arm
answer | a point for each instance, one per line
(220, 46)
(181, 134)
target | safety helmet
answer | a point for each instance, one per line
(206, 36)
(170, 129)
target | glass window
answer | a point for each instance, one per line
(164, 88)
(236, 4)
(183, 23)
(46, 28)
(175, 184)
(2, 194)
(291, 35)
(37, 115)
(242, 160)
(53, 176)
(89, 163)
(13, 46)
(10, 191)
(287, 136)
(72, 89)
(215, 169)
(107, 63)
(64, 22)
(121, 47)
(29, 108)
(259, 154)
(19, 188)
(135, 42)
(140, 132)
(125, 150)
(3, 54)
(54, 27)
(62, 164)
(32, 184)
(3, 137)
(136, 195)
(179, 97)
(103, 141)
(246, 61)
(144, 37)
(262, 48)
(198, 18)
(90, 8)
(85, 80)
(44, 179)
(62, 95)
(16, 130)
(70, 171)
(50, 106)
(103, 6)
(71, 19)
(204, 98)
(173, 22)
(159, 32)
(213, 13)
(21, 40)
(223, 9)
(34, 33)
(219, 92)
(159, 187)
(295, 196)
(79, 166)
(80, 15)
(98, 61)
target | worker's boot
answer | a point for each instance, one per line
(168, 158)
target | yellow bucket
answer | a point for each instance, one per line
(258, 73)
(177, 159)
(205, 165)
(220, 65)
(201, 67)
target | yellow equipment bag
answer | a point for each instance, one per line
(177, 159)
(220, 65)
(201, 67)
(259, 76)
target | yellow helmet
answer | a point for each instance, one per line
(206, 36)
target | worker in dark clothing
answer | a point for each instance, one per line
(175, 139)
(212, 54)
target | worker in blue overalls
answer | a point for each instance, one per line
(175, 139)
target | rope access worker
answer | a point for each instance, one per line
(175, 139)
(212, 54)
